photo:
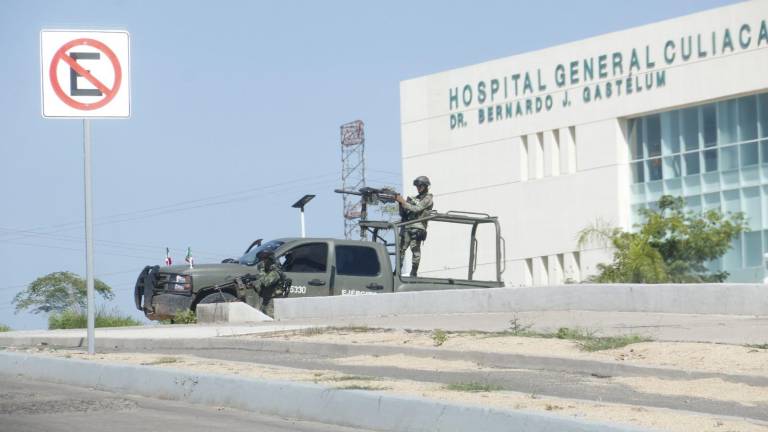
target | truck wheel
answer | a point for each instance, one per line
(218, 297)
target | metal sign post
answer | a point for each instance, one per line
(85, 75)
(89, 236)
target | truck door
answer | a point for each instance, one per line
(307, 267)
(359, 270)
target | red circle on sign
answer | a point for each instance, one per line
(108, 92)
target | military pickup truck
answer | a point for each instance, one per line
(315, 266)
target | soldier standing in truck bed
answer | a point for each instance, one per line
(415, 207)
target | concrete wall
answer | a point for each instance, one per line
(724, 299)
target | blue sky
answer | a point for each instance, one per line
(236, 108)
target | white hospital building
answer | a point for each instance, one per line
(552, 140)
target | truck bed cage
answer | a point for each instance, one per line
(453, 216)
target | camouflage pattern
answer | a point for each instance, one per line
(411, 239)
(266, 286)
(414, 208)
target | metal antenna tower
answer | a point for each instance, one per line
(352, 173)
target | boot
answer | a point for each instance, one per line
(414, 269)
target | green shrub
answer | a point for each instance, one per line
(4, 328)
(439, 337)
(185, 316)
(74, 320)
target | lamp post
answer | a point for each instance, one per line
(300, 205)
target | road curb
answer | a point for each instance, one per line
(490, 359)
(352, 408)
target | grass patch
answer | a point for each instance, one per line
(354, 378)
(4, 328)
(312, 331)
(185, 316)
(361, 387)
(439, 337)
(586, 339)
(317, 331)
(473, 387)
(758, 346)
(104, 318)
(611, 342)
(161, 360)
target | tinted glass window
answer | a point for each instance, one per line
(653, 135)
(637, 172)
(636, 138)
(709, 116)
(690, 128)
(357, 261)
(749, 154)
(308, 258)
(654, 169)
(692, 163)
(748, 118)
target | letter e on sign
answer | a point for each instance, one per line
(85, 74)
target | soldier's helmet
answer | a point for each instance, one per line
(265, 255)
(421, 180)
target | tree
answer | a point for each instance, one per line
(671, 245)
(58, 292)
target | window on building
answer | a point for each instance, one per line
(764, 151)
(653, 135)
(636, 138)
(710, 160)
(654, 169)
(672, 167)
(762, 109)
(721, 152)
(729, 158)
(726, 121)
(749, 154)
(709, 125)
(747, 124)
(690, 128)
(692, 163)
(670, 139)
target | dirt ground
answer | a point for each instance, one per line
(686, 356)
(707, 357)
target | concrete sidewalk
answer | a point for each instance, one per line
(730, 329)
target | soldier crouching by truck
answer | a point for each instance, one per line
(269, 282)
(415, 207)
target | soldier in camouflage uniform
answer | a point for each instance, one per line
(415, 207)
(269, 283)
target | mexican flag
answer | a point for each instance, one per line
(168, 260)
(189, 257)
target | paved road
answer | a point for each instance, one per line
(32, 406)
(540, 382)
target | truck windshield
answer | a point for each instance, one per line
(250, 257)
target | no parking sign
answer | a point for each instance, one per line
(85, 74)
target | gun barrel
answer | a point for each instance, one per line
(351, 192)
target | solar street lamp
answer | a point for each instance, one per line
(300, 205)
